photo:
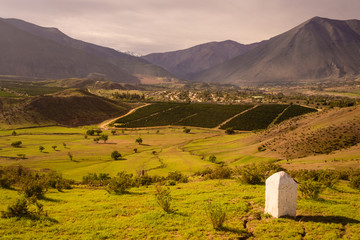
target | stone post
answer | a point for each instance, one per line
(280, 195)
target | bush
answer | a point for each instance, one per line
(21, 209)
(229, 131)
(310, 189)
(34, 188)
(93, 179)
(139, 140)
(41, 148)
(222, 172)
(217, 214)
(56, 181)
(355, 182)
(163, 198)
(212, 158)
(120, 183)
(186, 130)
(16, 144)
(328, 178)
(177, 176)
(115, 155)
(257, 173)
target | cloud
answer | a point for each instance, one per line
(162, 25)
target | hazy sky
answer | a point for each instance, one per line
(146, 26)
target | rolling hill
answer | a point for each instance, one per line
(187, 63)
(71, 107)
(317, 49)
(31, 50)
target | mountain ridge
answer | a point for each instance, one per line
(186, 63)
(319, 48)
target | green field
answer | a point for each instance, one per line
(83, 213)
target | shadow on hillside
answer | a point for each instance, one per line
(327, 219)
(47, 199)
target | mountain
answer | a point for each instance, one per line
(51, 42)
(71, 107)
(188, 62)
(318, 49)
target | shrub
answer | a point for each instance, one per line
(96, 180)
(328, 178)
(104, 137)
(229, 131)
(120, 183)
(14, 133)
(139, 140)
(34, 188)
(257, 173)
(54, 147)
(177, 176)
(56, 181)
(186, 130)
(212, 158)
(22, 156)
(163, 198)
(41, 148)
(222, 172)
(113, 132)
(90, 132)
(355, 182)
(217, 214)
(21, 209)
(115, 155)
(16, 144)
(310, 189)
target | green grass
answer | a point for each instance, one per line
(83, 213)
(89, 156)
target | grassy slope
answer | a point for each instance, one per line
(70, 107)
(94, 214)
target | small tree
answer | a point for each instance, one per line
(14, 133)
(212, 158)
(139, 140)
(229, 131)
(115, 155)
(64, 144)
(186, 130)
(98, 131)
(90, 132)
(54, 147)
(135, 150)
(113, 132)
(104, 137)
(97, 139)
(163, 198)
(16, 144)
(41, 148)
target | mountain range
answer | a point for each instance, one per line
(34, 51)
(187, 63)
(318, 49)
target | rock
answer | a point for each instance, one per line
(280, 195)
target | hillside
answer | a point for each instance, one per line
(70, 107)
(318, 49)
(315, 136)
(187, 63)
(115, 65)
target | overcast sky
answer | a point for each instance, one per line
(147, 26)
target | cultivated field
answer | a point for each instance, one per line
(244, 117)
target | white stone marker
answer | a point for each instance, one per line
(280, 195)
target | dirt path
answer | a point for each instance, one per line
(104, 124)
(228, 120)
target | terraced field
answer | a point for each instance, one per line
(210, 115)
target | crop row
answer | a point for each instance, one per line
(293, 111)
(200, 115)
(257, 118)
